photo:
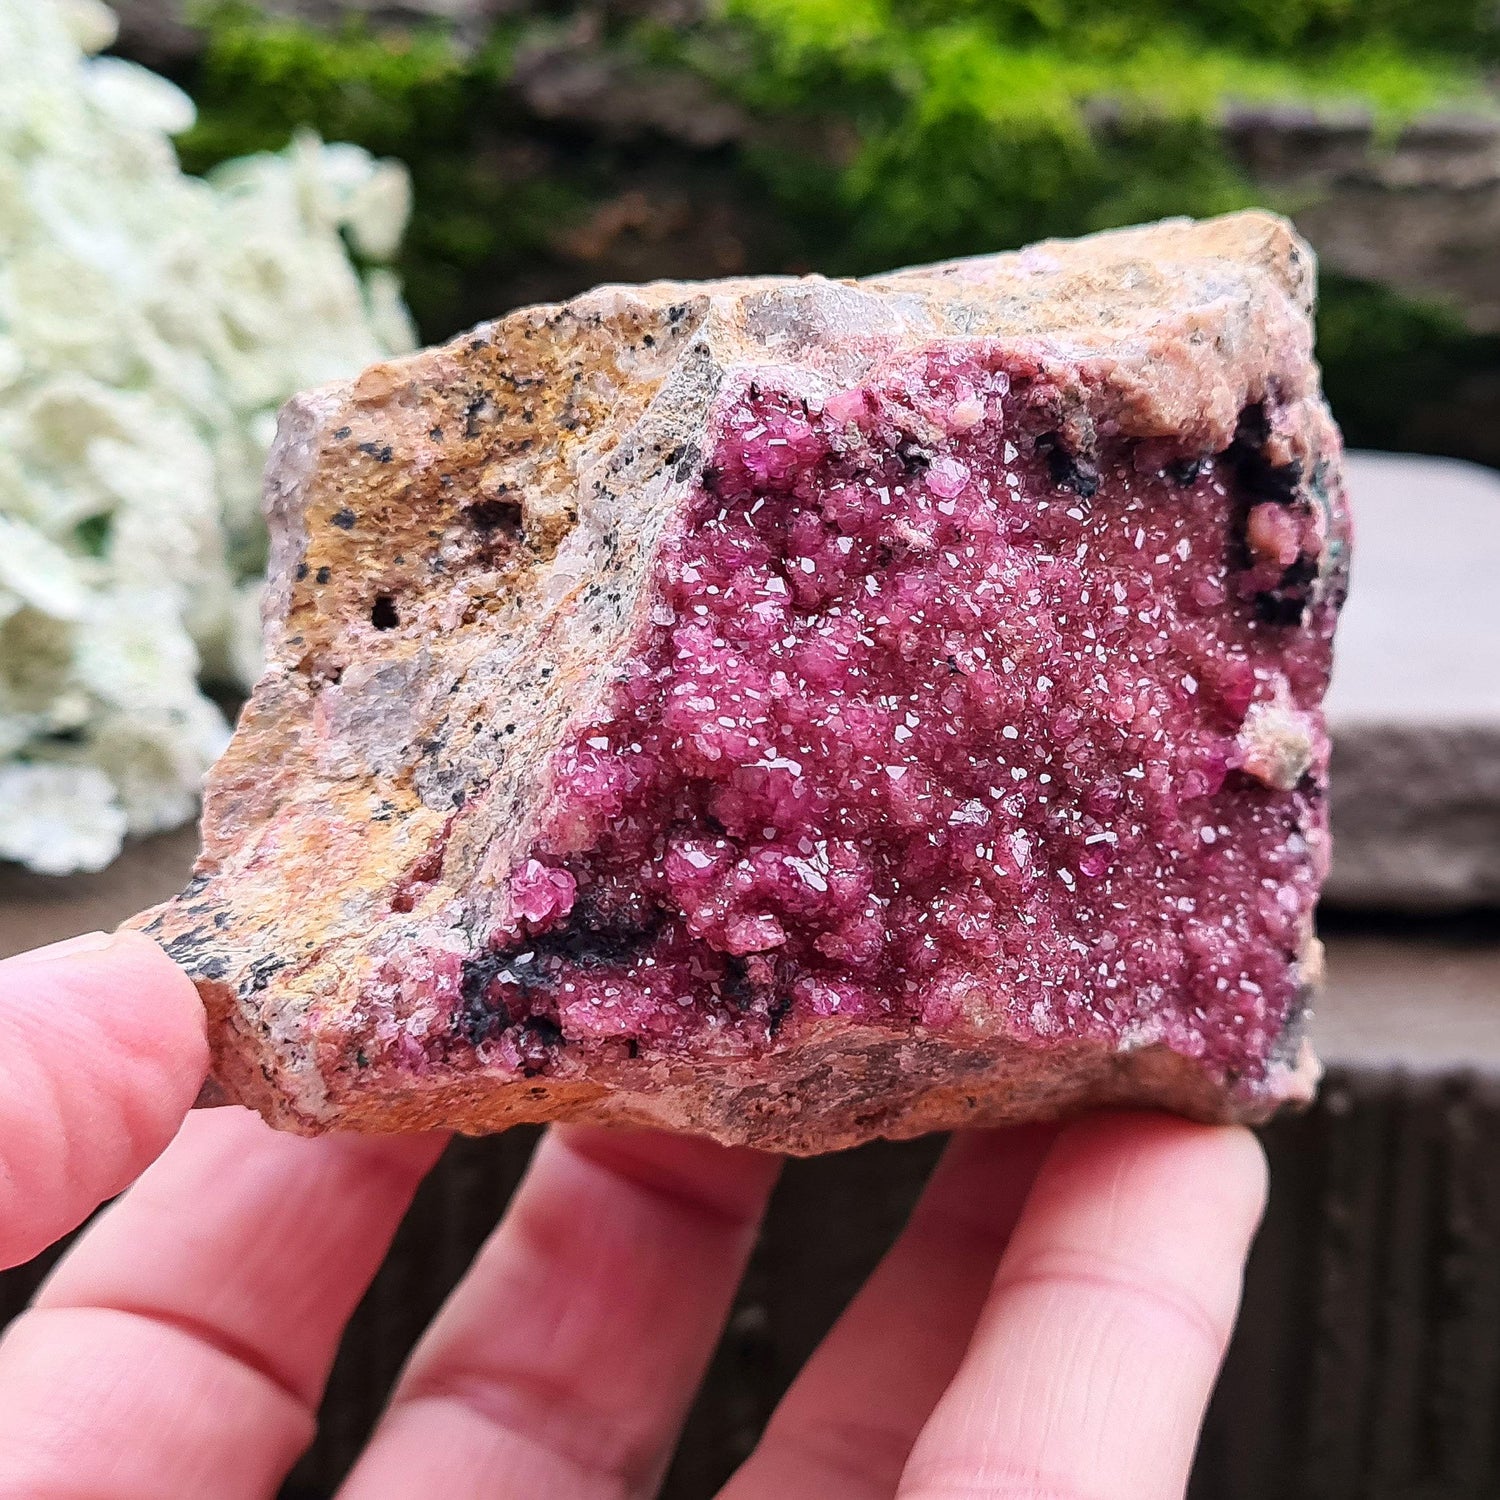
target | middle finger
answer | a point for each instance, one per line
(564, 1363)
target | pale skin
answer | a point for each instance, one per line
(1048, 1326)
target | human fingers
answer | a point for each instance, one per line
(181, 1348)
(1093, 1359)
(566, 1359)
(845, 1428)
(102, 1050)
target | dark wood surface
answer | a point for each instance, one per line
(1367, 1362)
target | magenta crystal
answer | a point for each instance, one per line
(928, 723)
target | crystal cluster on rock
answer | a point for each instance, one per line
(795, 711)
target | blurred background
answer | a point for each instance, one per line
(205, 207)
(553, 146)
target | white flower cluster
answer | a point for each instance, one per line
(150, 325)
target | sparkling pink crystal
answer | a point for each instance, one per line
(935, 719)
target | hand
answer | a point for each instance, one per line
(1047, 1327)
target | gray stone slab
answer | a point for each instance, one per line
(1415, 703)
(38, 909)
(1425, 1002)
(1419, 210)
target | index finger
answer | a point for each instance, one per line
(1091, 1365)
(102, 1051)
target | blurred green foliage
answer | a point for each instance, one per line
(985, 124)
(1382, 353)
(881, 131)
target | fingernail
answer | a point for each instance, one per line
(88, 942)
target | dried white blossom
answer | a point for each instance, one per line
(150, 325)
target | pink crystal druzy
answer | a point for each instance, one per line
(920, 728)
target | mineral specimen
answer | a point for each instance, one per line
(794, 711)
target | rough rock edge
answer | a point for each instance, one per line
(1152, 370)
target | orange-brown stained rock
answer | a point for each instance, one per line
(466, 548)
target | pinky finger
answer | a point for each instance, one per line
(1093, 1360)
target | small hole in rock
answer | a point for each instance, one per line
(383, 614)
(494, 515)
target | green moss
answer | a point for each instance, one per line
(885, 131)
(93, 533)
(1464, 29)
(262, 76)
(982, 126)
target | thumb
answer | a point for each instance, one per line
(102, 1051)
